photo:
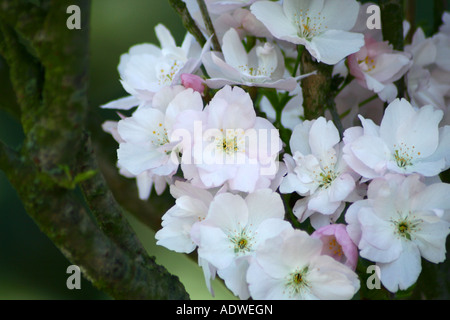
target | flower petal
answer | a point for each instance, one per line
(334, 45)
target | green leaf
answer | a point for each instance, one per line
(72, 182)
(84, 176)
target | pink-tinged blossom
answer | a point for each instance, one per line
(243, 21)
(407, 141)
(428, 79)
(220, 6)
(338, 244)
(193, 81)
(291, 267)
(376, 66)
(399, 223)
(147, 68)
(231, 145)
(317, 171)
(191, 206)
(146, 180)
(445, 27)
(322, 26)
(148, 140)
(263, 66)
(234, 229)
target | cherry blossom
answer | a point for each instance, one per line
(399, 223)
(146, 180)
(263, 66)
(291, 266)
(234, 228)
(407, 141)
(316, 169)
(148, 143)
(338, 244)
(277, 204)
(377, 66)
(146, 68)
(191, 206)
(322, 26)
(233, 145)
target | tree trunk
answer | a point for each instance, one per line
(48, 64)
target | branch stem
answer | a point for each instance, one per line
(188, 22)
(209, 25)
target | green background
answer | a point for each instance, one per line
(31, 267)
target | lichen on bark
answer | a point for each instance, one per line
(48, 66)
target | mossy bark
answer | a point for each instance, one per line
(316, 88)
(48, 65)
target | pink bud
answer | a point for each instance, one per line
(193, 81)
(337, 244)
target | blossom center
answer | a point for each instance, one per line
(167, 71)
(308, 26)
(335, 248)
(230, 143)
(260, 71)
(367, 65)
(242, 241)
(159, 136)
(404, 155)
(297, 282)
(406, 226)
(326, 178)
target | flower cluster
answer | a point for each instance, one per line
(289, 218)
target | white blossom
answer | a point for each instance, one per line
(316, 170)
(407, 141)
(148, 143)
(232, 146)
(377, 66)
(322, 26)
(147, 68)
(145, 180)
(263, 66)
(291, 266)
(400, 222)
(232, 231)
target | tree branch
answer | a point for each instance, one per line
(191, 26)
(48, 70)
(209, 25)
(25, 74)
(410, 15)
(316, 88)
(63, 219)
(98, 197)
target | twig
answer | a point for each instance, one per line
(209, 25)
(410, 15)
(335, 116)
(189, 23)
